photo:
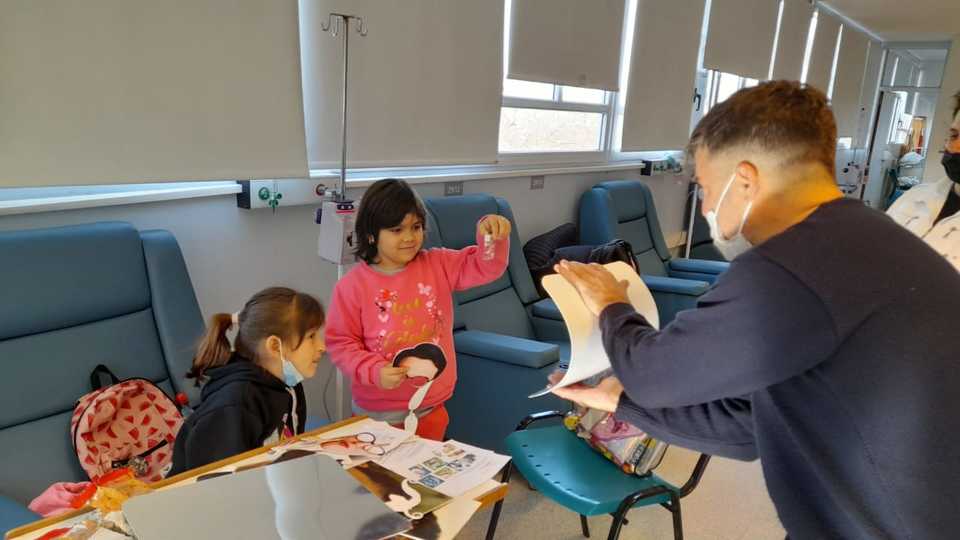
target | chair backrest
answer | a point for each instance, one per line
(499, 306)
(701, 243)
(75, 297)
(624, 209)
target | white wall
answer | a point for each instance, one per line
(943, 119)
(232, 253)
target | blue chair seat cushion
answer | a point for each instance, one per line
(547, 309)
(13, 515)
(507, 349)
(567, 470)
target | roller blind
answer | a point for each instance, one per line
(851, 65)
(425, 82)
(570, 42)
(824, 49)
(659, 100)
(791, 47)
(740, 37)
(116, 91)
(869, 93)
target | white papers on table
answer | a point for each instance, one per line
(451, 467)
(367, 440)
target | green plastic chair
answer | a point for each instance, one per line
(567, 470)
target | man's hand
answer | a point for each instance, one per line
(604, 397)
(496, 226)
(598, 287)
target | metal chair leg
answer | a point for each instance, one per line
(495, 516)
(584, 526)
(677, 519)
(617, 524)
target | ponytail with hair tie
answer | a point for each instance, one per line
(215, 348)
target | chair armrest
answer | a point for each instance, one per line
(536, 417)
(699, 266)
(506, 349)
(696, 269)
(686, 287)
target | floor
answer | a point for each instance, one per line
(731, 503)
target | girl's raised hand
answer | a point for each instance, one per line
(496, 226)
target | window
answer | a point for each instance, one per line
(544, 118)
(720, 86)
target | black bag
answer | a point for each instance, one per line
(613, 251)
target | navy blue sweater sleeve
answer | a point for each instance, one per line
(756, 327)
(719, 428)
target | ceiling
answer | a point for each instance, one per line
(899, 20)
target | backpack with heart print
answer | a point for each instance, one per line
(129, 423)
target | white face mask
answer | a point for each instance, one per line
(729, 247)
(291, 375)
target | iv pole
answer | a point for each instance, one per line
(339, 23)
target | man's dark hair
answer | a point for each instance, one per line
(384, 205)
(778, 116)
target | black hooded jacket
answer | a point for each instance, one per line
(242, 407)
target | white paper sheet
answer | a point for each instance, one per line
(587, 356)
(452, 468)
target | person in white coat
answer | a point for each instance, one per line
(932, 210)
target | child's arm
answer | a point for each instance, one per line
(345, 344)
(221, 433)
(478, 265)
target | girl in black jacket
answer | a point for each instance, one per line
(252, 394)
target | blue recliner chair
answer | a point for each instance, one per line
(75, 297)
(700, 241)
(505, 347)
(624, 209)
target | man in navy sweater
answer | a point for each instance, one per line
(830, 349)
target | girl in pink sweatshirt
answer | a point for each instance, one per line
(390, 327)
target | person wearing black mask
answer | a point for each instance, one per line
(932, 211)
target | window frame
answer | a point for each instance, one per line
(606, 109)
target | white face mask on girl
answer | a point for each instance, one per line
(729, 247)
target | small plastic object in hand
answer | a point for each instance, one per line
(488, 247)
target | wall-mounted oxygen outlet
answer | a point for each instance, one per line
(279, 193)
(452, 189)
(659, 167)
(536, 182)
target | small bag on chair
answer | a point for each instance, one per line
(129, 423)
(633, 450)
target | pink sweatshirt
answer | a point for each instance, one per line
(374, 316)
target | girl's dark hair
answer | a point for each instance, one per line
(427, 351)
(275, 311)
(384, 205)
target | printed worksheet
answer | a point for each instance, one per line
(587, 355)
(451, 467)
